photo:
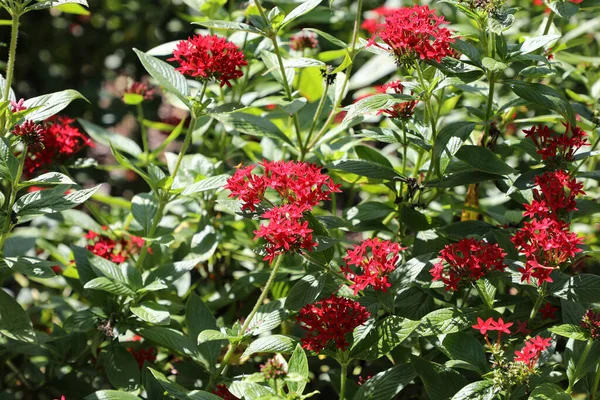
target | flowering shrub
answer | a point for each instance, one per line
(402, 203)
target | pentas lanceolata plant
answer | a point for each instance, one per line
(346, 199)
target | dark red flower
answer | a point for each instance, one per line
(31, 134)
(209, 57)
(591, 323)
(402, 110)
(522, 328)
(373, 259)
(551, 200)
(415, 33)
(467, 261)
(141, 89)
(223, 392)
(61, 140)
(286, 231)
(304, 40)
(548, 312)
(115, 250)
(551, 145)
(329, 321)
(143, 354)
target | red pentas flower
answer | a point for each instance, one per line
(551, 145)
(31, 134)
(60, 141)
(547, 244)
(415, 32)
(113, 250)
(209, 57)
(530, 353)
(286, 231)
(376, 20)
(466, 261)
(548, 312)
(550, 199)
(591, 323)
(223, 392)
(329, 321)
(490, 325)
(373, 260)
(403, 110)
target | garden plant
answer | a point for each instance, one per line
(347, 199)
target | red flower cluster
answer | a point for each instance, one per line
(304, 40)
(402, 110)
(329, 321)
(552, 200)
(300, 186)
(375, 258)
(113, 250)
(209, 57)
(415, 32)
(141, 89)
(530, 354)
(546, 244)
(141, 355)
(591, 323)
(59, 140)
(467, 260)
(552, 146)
(31, 134)
(490, 325)
(372, 25)
(223, 392)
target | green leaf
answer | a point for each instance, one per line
(449, 140)
(152, 313)
(133, 99)
(54, 3)
(121, 159)
(298, 364)
(305, 291)
(299, 11)
(171, 339)
(250, 390)
(385, 337)
(228, 25)
(407, 273)
(331, 39)
(268, 317)
(211, 335)
(121, 368)
(544, 96)
(464, 347)
(49, 178)
(549, 391)
(111, 395)
(211, 183)
(368, 169)
(144, 207)
(31, 266)
(253, 125)
(80, 321)
(487, 292)
(50, 201)
(440, 382)
(464, 178)
(582, 288)
(173, 389)
(484, 160)
(271, 344)
(198, 319)
(446, 320)
(368, 211)
(50, 104)
(9, 164)
(463, 229)
(571, 331)
(109, 138)
(107, 285)
(14, 321)
(386, 384)
(493, 65)
(372, 104)
(166, 76)
(480, 390)
(564, 9)
(532, 44)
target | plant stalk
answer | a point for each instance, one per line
(343, 379)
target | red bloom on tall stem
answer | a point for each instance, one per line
(530, 353)
(329, 321)
(551, 145)
(466, 261)
(416, 32)
(373, 259)
(551, 200)
(209, 57)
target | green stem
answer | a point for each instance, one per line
(14, 188)
(428, 117)
(580, 363)
(352, 54)
(143, 131)
(19, 374)
(595, 384)
(549, 22)
(405, 149)
(488, 112)
(343, 379)
(233, 347)
(12, 52)
(317, 115)
(538, 302)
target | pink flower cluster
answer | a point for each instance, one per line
(531, 352)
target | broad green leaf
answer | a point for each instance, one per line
(211, 335)
(124, 161)
(440, 382)
(408, 272)
(373, 104)
(493, 65)
(49, 178)
(464, 347)
(449, 140)
(253, 125)
(331, 39)
(463, 178)
(31, 266)
(81, 321)
(463, 229)
(152, 313)
(271, 344)
(211, 183)
(544, 96)
(171, 339)
(571, 331)
(385, 337)
(480, 390)
(50, 104)
(305, 291)
(76, 9)
(531, 44)
(111, 286)
(368, 169)
(487, 291)
(549, 391)
(111, 395)
(198, 318)
(298, 364)
(305, 7)
(250, 390)
(582, 288)
(386, 384)
(446, 320)
(175, 390)
(268, 317)
(55, 3)
(9, 164)
(484, 160)
(14, 321)
(564, 9)
(121, 368)
(166, 76)
(144, 207)
(228, 25)
(108, 138)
